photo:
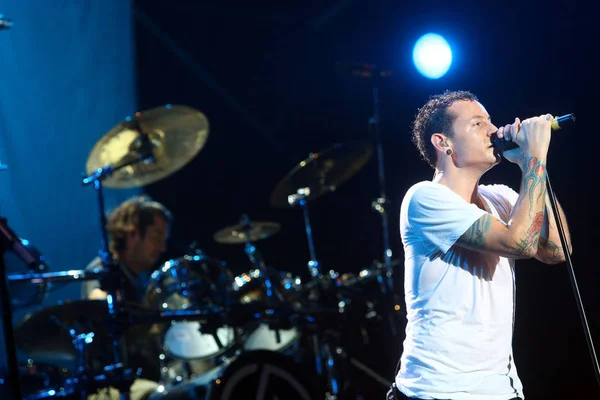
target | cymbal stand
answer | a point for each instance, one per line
(140, 151)
(333, 376)
(301, 199)
(80, 340)
(380, 204)
(274, 296)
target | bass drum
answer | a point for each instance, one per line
(191, 282)
(259, 375)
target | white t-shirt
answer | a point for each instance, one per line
(460, 303)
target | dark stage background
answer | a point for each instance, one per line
(264, 75)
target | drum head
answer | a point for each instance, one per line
(265, 338)
(185, 340)
(263, 375)
(256, 375)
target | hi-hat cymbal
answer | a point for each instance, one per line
(177, 133)
(322, 172)
(252, 231)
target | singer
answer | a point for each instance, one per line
(461, 240)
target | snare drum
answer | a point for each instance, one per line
(253, 375)
(191, 282)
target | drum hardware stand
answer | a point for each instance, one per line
(333, 356)
(333, 378)
(379, 205)
(80, 340)
(274, 296)
(141, 150)
(362, 367)
(301, 199)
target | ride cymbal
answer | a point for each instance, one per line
(252, 231)
(175, 134)
(322, 172)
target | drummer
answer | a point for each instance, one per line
(138, 230)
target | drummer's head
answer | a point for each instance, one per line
(138, 231)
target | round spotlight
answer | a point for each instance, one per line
(432, 56)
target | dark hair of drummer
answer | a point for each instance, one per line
(133, 216)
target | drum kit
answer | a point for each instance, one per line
(223, 336)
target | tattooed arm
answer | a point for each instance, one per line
(520, 237)
(550, 250)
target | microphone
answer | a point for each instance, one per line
(5, 23)
(558, 123)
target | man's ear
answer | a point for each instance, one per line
(440, 141)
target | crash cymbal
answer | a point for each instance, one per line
(322, 172)
(252, 231)
(177, 133)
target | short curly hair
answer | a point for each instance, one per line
(434, 117)
(135, 214)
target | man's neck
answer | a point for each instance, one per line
(462, 182)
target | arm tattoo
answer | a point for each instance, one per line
(532, 236)
(535, 176)
(476, 234)
(553, 251)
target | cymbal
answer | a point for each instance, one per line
(252, 231)
(177, 133)
(322, 172)
(45, 333)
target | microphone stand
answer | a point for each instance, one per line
(7, 239)
(563, 241)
